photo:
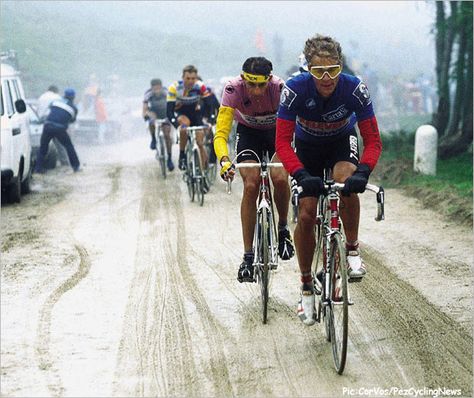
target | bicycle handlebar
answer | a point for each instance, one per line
(379, 191)
(195, 128)
(247, 166)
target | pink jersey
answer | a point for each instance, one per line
(252, 111)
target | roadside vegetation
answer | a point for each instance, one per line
(449, 192)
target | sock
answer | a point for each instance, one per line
(248, 257)
(282, 227)
(307, 280)
(350, 246)
(181, 153)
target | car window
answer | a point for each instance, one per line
(13, 92)
(8, 98)
(17, 89)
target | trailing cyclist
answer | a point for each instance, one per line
(183, 99)
(320, 108)
(154, 107)
(252, 100)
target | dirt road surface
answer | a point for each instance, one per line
(115, 284)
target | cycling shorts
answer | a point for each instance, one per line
(257, 140)
(316, 158)
(195, 117)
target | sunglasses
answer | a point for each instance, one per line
(318, 72)
(260, 85)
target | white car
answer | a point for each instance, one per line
(15, 136)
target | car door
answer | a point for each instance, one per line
(24, 138)
(10, 131)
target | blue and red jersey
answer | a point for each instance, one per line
(318, 120)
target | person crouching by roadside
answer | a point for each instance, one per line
(62, 113)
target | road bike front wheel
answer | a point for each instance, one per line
(264, 260)
(198, 177)
(162, 155)
(188, 177)
(338, 306)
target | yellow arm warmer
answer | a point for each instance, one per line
(223, 128)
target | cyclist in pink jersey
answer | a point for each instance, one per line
(252, 100)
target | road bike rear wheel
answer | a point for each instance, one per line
(198, 177)
(264, 270)
(339, 303)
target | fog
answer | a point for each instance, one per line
(139, 40)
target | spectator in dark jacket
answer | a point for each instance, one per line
(62, 112)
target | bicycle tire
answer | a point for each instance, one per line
(188, 175)
(162, 155)
(339, 303)
(265, 263)
(198, 177)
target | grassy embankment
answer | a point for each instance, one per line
(449, 192)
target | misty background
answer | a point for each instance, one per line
(63, 42)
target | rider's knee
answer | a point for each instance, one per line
(251, 187)
(306, 218)
(280, 182)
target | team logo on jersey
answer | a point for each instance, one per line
(229, 89)
(310, 103)
(336, 114)
(362, 94)
(287, 96)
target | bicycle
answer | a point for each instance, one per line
(265, 242)
(330, 259)
(193, 175)
(161, 151)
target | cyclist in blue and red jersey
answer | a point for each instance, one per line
(320, 108)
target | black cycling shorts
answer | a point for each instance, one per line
(195, 117)
(257, 140)
(316, 158)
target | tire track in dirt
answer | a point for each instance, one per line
(215, 333)
(438, 347)
(159, 344)
(43, 339)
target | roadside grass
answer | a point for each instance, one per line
(449, 192)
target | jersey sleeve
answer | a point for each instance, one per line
(230, 96)
(172, 94)
(288, 102)
(223, 128)
(362, 102)
(367, 124)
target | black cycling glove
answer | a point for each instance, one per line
(358, 181)
(311, 186)
(146, 118)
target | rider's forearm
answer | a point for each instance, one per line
(370, 134)
(223, 128)
(284, 136)
(170, 112)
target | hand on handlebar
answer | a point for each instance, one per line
(358, 181)
(227, 170)
(310, 186)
